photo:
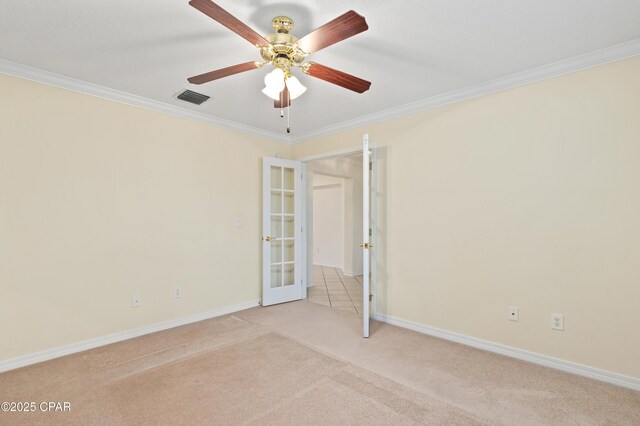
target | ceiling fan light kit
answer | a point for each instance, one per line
(285, 51)
(295, 87)
(274, 84)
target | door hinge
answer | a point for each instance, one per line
(370, 166)
(371, 298)
(370, 232)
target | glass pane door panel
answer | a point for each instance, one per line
(276, 251)
(289, 206)
(276, 177)
(276, 276)
(289, 229)
(276, 226)
(276, 202)
(288, 275)
(289, 252)
(288, 178)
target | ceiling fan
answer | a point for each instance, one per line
(285, 51)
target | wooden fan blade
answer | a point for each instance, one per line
(224, 72)
(285, 99)
(217, 13)
(340, 78)
(341, 28)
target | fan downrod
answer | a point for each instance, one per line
(282, 24)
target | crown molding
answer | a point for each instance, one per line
(555, 69)
(64, 82)
(565, 66)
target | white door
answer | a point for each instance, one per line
(282, 262)
(368, 231)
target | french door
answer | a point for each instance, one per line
(282, 262)
(368, 232)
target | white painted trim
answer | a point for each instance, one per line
(327, 155)
(555, 69)
(328, 266)
(366, 238)
(565, 66)
(328, 186)
(284, 293)
(64, 82)
(307, 219)
(309, 205)
(73, 348)
(303, 227)
(547, 361)
(374, 227)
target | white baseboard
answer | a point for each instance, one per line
(327, 266)
(547, 361)
(346, 274)
(48, 354)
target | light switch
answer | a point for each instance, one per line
(238, 222)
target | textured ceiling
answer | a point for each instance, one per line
(413, 50)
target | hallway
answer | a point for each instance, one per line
(332, 288)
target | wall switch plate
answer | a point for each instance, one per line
(238, 222)
(177, 292)
(557, 321)
(513, 313)
(136, 301)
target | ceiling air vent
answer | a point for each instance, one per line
(193, 97)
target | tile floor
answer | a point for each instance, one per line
(332, 288)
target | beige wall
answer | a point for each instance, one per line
(100, 201)
(528, 197)
(328, 221)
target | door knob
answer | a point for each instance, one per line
(267, 238)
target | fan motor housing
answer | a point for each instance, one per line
(282, 43)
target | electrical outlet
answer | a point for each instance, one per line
(136, 301)
(513, 313)
(557, 321)
(177, 292)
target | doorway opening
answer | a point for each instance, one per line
(334, 233)
(287, 224)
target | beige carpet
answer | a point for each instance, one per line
(299, 364)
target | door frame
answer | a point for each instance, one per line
(307, 196)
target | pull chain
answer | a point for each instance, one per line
(289, 113)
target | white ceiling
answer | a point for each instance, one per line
(414, 49)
